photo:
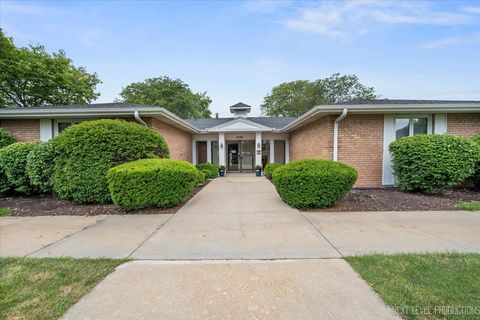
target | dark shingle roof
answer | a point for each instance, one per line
(405, 101)
(272, 122)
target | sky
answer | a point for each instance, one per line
(239, 50)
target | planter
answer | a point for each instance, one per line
(258, 172)
(221, 172)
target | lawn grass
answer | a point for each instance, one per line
(469, 206)
(5, 212)
(45, 288)
(421, 286)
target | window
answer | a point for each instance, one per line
(409, 126)
(61, 125)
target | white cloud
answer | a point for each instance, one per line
(472, 9)
(348, 18)
(452, 41)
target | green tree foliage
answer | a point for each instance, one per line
(171, 94)
(6, 138)
(297, 97)
(13, 161)
(30, 77)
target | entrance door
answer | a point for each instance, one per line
(233, 153)
(240, 155)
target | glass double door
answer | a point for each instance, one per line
(241, 155)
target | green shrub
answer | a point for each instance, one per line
(13, 162)
(313, 183)
(40, 166)
(269, 168)
(210, 170)
(151, 182)
(87, 150)
(429, 162)
(476, 176)
(6, 138)
(200, 178)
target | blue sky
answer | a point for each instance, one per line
(237, 51)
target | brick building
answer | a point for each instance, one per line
(357, 134)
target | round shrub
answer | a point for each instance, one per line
(87, 150)
(476, 176)
(313, 183)
(429, 162)
(40, 166)
(151, 182)
(210, 170)
(269, 168)
(13, 161)
(6, 138)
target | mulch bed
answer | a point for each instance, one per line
(392, 199)
(48, 205)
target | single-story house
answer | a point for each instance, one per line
(357, 134)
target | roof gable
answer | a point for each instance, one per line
(239, 124)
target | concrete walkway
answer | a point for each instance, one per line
(236, 251)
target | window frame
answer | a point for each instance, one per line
(73, 121)
(410, 118)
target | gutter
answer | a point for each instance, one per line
(335, 133)
(136, 114)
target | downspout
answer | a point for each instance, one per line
(335, 133)
(139, 120)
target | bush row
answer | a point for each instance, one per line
(312, 183)
(75, 166)
(430, 162)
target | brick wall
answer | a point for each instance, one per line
(179, 142)
(23, 130)
(360, 145)
(314, 140)
(463, 124)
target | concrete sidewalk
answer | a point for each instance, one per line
(219, 290)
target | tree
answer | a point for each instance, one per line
(297, 97)
(171, 94)
(29, 77)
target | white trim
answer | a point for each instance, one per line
(239, 125)
(258, 155)
(287, 150)
(46, 129)
(388, 137)
(271, 156)
(194, 152)
(209, 151)
(441, 124)
(221, 149)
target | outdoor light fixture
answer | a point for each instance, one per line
(258, 145)
(221, 145)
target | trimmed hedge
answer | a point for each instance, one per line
(312, 183)
(429, 162)
(210, 170)
(87, 150)
(40, 166)
(269, 168)
(151, 182)
(13, 161)
(200, 178)
(476, 176)
(6, 138)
